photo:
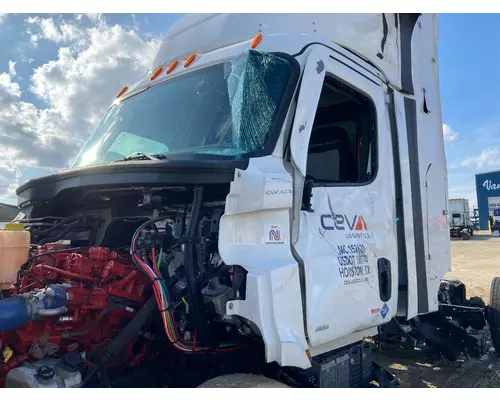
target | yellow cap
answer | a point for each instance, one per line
(7, 354)
(14, 227)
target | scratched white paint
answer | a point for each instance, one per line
(314, 75)
(341, 299)
(260, 199)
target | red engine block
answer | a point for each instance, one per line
(103, 292)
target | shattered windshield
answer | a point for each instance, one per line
(224, 110)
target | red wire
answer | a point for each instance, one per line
(157, 290)
(155, 264)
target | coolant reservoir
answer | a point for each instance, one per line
(14, 252)
(47, 373)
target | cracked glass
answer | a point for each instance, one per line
(225, 110)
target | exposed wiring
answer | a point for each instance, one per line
(163, 300)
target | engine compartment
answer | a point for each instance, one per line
(97, 261)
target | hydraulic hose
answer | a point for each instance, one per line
(116, 346)
(189, 265)
(69, 334)
(132, 329)
(52, 312)
(73, 226)
(60, 223)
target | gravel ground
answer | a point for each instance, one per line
(475, 262)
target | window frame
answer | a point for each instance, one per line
(373, 119)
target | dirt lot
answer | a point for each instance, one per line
(475, 262)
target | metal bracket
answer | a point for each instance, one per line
(384, 378)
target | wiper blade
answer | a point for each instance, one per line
(138, 155)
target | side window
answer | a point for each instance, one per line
(342, 147)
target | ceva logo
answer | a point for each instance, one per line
(341, 222)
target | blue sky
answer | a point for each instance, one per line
(469, 78)
(59, 72)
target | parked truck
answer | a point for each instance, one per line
(270, 196)
(495, 224)
(460, 220)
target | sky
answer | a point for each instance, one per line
(59, 73)
(469, 79)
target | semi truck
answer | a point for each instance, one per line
(460, 220)
(495, 224)
(270, 197)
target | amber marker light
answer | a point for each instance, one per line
(172, 66)
(189, 60)
(156, 72)
(122, 91)
(256, 40)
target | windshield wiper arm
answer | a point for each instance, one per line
(140, 155)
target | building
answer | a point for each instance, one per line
(7, 213)
(488, 195)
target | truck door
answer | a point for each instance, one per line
(341, 147)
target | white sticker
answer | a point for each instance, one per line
(375, 313)
(273, 234)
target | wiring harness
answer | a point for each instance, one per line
(149, 263)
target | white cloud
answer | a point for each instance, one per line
(47, 29)
(12, 68)
(95, 17)
(2, 17)
(489, 156)
(77, 87)
(448, 133)
(9, 174)
(9, 91)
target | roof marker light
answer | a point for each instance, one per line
(189, 60)
(172, 66)
(156, 72)
(122, 91)
(256, 40)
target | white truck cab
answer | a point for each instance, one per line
(326, 130)
(348, 208)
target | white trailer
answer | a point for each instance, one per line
(459, 218)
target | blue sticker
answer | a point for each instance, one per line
(384, 311)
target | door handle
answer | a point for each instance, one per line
(384, 279)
